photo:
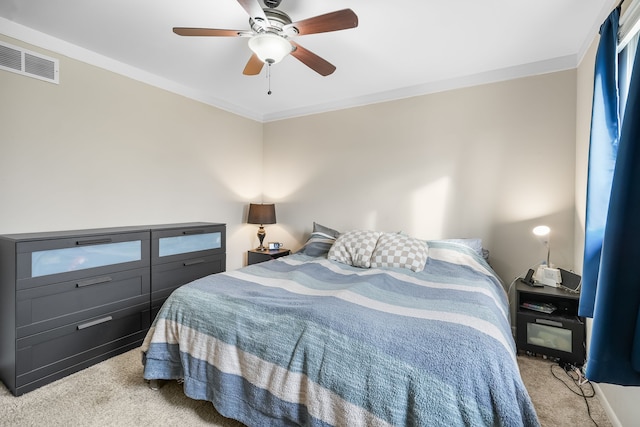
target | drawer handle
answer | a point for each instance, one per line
(94, 281)
(549, 322)
(187, 232)
(93, 242)
(95, 322)
(192, 262)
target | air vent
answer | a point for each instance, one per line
(27, 63)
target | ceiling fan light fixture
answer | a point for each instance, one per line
(270, 48)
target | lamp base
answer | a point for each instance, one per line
(261, 235)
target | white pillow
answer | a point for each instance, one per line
(475, 244)
(401, 251)
(354, 248)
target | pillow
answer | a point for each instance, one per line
(320, 241)
(475, 244)
(326, 230)
(400, 250)
(354, 248)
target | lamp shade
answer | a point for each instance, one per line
(543, 233)
(262, 213)
(270, 48)
(541, 230)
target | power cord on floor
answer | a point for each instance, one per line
(578, 379)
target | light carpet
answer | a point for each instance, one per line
(113, 393)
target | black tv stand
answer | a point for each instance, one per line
(559, 334)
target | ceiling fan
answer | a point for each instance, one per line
(271, 33)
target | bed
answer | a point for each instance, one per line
(315, 341)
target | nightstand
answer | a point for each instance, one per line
(559, 334)
(255, 256)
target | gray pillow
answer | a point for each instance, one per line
(320, 241)
(326, 230)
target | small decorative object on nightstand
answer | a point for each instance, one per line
(256, 256)
(261, 214)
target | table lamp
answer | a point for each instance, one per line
(261, 214)
(546, 274)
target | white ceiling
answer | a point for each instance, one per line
(400, 48)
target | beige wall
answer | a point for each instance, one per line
(489, 161)
(101, 150)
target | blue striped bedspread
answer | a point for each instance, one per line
(308, 341)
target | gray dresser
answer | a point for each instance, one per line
(71, 299)
(181, 254)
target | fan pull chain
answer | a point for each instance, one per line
(269, 77)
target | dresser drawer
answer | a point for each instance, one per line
(51, 306)
(44, 261)
(46, 353)
(165, 278)
(184, 243)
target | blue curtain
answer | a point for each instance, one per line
(611, 274)
(603, 148)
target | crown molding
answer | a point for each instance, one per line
(45, 41)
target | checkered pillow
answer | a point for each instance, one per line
(354, 248)
(400, 250)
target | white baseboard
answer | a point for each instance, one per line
(606, 406)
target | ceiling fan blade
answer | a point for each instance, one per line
(253, 67)
(210, 32)
(254, 9)
(334, 21)
(312, 60)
